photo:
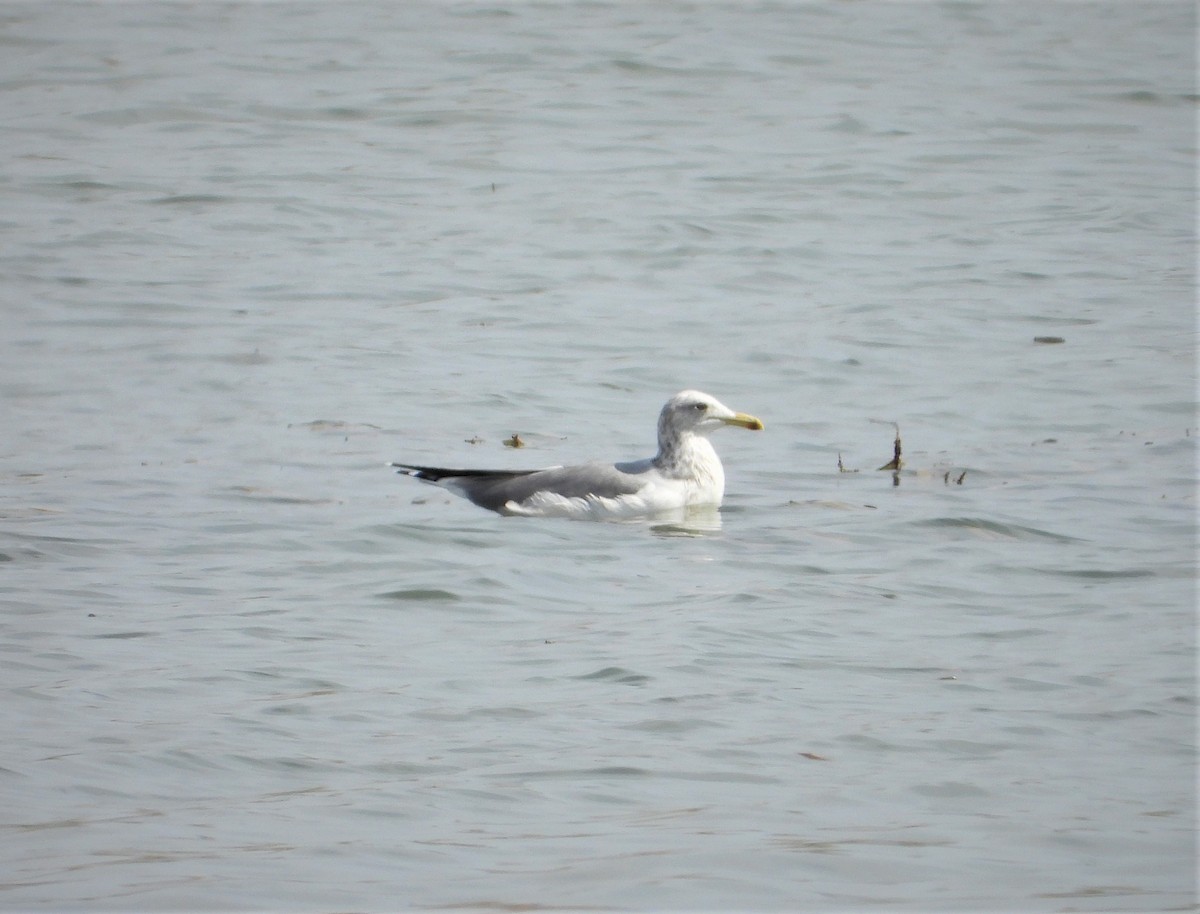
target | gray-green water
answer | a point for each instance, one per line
(253, 251)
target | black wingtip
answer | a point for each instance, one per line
(406, 469)
(430, 474)
(436, 474)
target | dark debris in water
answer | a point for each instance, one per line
(897, 462)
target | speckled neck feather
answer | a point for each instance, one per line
(685, 454)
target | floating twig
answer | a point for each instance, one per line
(514, 441)
(895, 463)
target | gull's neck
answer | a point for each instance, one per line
(686, 455)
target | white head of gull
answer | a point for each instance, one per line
(685, 472)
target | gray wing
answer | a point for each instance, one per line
(493, 489)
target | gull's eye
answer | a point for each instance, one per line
(700, 407)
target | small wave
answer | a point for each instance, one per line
(617, 674)
(1010, 531)
(189, 199)
(1098, 574)
(421, 594)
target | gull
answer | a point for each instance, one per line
(685, 472)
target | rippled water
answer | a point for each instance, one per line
(253, 251)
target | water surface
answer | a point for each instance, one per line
(253, 251)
